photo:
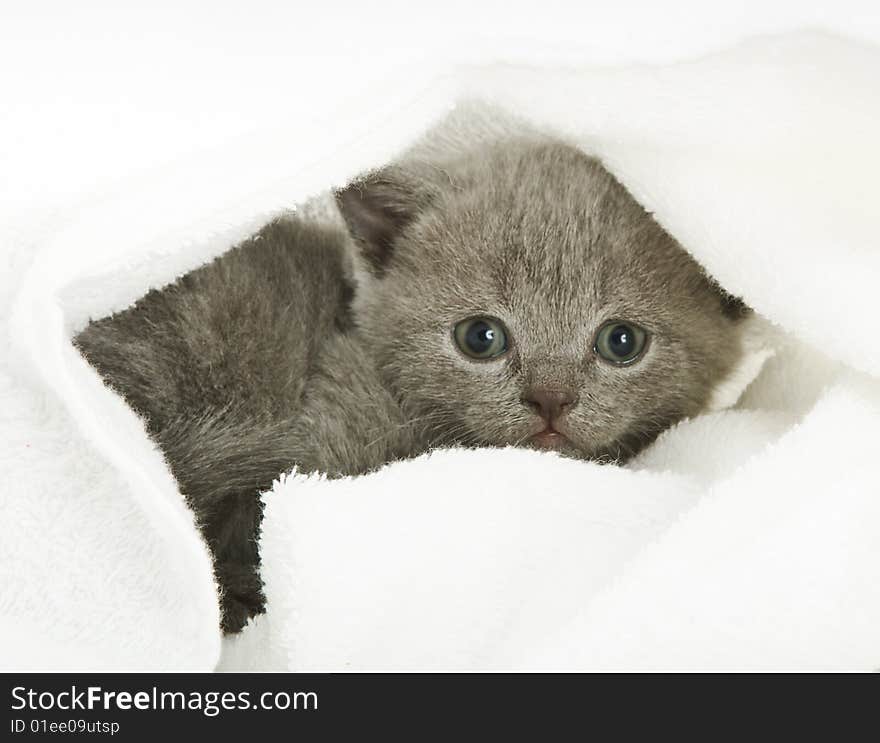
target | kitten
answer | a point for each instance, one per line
(510, 295)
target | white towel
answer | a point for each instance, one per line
(744, 538)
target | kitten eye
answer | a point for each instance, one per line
(481, 337)
(620, 342)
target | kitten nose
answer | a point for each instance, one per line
(549, 404)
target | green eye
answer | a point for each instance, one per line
(481, 337)
(621, 342)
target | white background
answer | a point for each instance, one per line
(92, 90)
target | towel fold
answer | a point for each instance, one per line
(745, 538)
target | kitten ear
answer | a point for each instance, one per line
(376, 209)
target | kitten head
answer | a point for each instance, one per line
(520, 296)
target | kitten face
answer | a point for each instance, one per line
(539, 244)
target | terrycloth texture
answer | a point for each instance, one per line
(746, 538)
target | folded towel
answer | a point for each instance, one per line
(744, 539)
(740, 539)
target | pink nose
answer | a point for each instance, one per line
(550, 404)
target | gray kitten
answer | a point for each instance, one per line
(510, 295)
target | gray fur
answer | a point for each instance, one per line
(270, 357)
